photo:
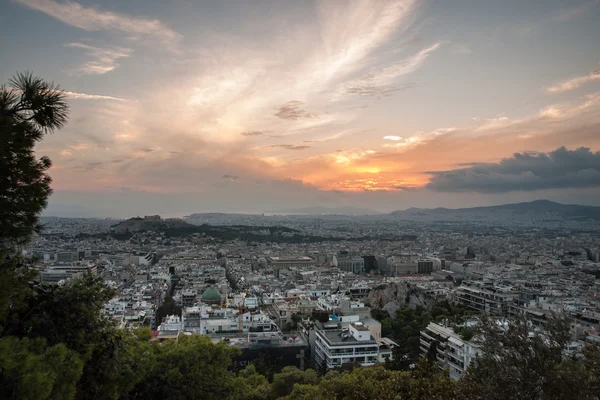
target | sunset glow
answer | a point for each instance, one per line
(308, 102)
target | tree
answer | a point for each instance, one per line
(29, 369)
(517, 362)
(191, 368)
(168, 307)
(377, 382)
(406, 328)
(71, 315)
(29, 108)
(284, 381)
(578, 378)
(251, 385)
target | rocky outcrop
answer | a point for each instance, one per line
(392, 296)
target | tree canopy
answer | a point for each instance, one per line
(29, 108)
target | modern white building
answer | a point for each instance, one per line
(452, 352)
(336, 347)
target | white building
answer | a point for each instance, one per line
(452, 352)
(355, 344)
(206, 320)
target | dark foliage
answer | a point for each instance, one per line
(29, 108)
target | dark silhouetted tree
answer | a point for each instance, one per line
(29, 108)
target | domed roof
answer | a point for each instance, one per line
(211, 294)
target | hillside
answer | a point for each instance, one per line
(150, 223)
(529, 212)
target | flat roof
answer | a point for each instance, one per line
(335, 338)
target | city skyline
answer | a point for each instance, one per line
(273, 105)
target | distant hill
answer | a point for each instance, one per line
(327, 211)
(524, 213)
(151, 223)
(174, 227)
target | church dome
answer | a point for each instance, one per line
(211, 295)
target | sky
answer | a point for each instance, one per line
(256, 106)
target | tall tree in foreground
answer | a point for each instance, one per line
(30, 367)
(517, 362)
(29, 108)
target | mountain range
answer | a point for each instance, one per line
(539, 210)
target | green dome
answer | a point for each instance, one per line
(211, 294)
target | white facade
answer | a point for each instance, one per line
(334, 348)
(206, 320)
(452, 352)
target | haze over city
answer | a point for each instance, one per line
(188, 106)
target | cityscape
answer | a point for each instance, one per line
(259, 284)
(300, 200)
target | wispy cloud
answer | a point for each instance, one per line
(293, 110)
(231, 178)
(351, 32)
(418, 138)
(252, 133)
(104, 59)
(380, 81)
(93, 19)
(575, 83)
(371, 90)
(85, 96)
(567, 14)
(290, 147)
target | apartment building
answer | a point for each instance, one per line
(452, 352)
(335, 347)
(487, 300)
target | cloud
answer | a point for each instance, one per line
(85, 96)
(91, 166)
(252, 133)
(291, 147)
(93, 19)
(349, 32)
(575, 83)
(370, 90)
(567, 14)
(83, 146)
(380, 81)
(558, 169)
(66, 154)
(104, 59)
(230, 178)
(418, 138)
(293, 110)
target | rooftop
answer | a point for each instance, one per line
(341, 337)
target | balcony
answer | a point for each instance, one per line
(373, 352)
(341, 354)
(455, 363)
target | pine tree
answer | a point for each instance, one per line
(29, 108)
